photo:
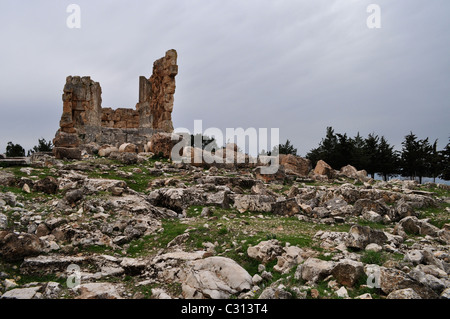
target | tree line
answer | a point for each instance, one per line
(16, 150)
(418, 158)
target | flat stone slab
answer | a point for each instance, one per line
(15, 161)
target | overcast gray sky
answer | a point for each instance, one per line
(297, 65)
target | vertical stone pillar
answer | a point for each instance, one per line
(156, 95)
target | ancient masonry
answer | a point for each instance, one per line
(85, 122)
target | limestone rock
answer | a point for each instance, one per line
(23, 293)
(360, 236)
(255, 203)
(14, 247)
(289, 259)
(322, 168)
(215, 278)
(313, 270)
(98, 291)
(417, 226)
(407, 293)
(265, 251)
(67, 153)
(48, 185)
(347, 272)
(295, 164)
(276, 292)
(163, 143)
(349, 171)
(127, 148)
(393, 279)
(287, 207)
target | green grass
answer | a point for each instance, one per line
(372, 225)
(373, 257)
(439, 216)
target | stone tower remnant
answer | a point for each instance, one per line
(84, 120)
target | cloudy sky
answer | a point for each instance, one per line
(296, 65)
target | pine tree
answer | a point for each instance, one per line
(43, 146)
(387, 159)
(371, 154)
(287, 148)
(415, 157)
(445, 163)
(14, 150)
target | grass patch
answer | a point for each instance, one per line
(438, 216)
(373, 257)
(372, 225)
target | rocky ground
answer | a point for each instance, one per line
(142, 227)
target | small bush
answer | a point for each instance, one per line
(373, 257)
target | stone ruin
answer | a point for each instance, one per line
(84, 122)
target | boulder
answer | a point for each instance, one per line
(48, 185)
(215, 278)
(128, 148)
(360, 236)
(277, 175)
(106, 150)
(407, 293)
(253, 203)
(347, 272)
(265, 251)
(295, 164)
(349, 171)
(177, 199)
(413, 225)
(430, 281)
(289, 259)
(101, 290)
(15, 247)
(322, 168)
(287, 207)
(74, 196)
(23, 293)
(372, 216)
(67, 153)
(313, 270)
(276, 292)
(7, 179)
(161, 144)
(393, 279)
(363, 205)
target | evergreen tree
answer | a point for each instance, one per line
(43, 146)
(359, 156)
(287, 148)
(445, 163)
(371, 154)
(343, 153)
(14, 150)
(435, 162)
(415, 157)
(326, 149)
(387, 159)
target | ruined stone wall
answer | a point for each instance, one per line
(81, 104)
(84, 120)
(156, 94)
(120, 118)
